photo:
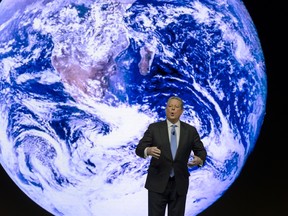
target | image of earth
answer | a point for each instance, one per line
(81, 80)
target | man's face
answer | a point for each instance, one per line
(173, 110)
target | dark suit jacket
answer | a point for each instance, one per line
(159, 169)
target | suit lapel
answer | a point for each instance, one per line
(166, 149)
(181, 138)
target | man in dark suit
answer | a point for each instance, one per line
(168, 179)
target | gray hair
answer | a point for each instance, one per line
(177, 98)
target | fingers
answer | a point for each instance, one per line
(197, 161)
(192, 163)
(154, 152)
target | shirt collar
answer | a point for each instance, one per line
(169, 123)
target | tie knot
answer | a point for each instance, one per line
(173, 131)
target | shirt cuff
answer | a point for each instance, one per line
(145, 152)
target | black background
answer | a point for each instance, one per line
(261, 188)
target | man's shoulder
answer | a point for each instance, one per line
(186, 125)
(158, 124)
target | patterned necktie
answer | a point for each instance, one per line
(173, 140)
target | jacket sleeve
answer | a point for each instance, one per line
(144, 142)
(198, 147)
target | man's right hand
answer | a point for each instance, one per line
(154, 152)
